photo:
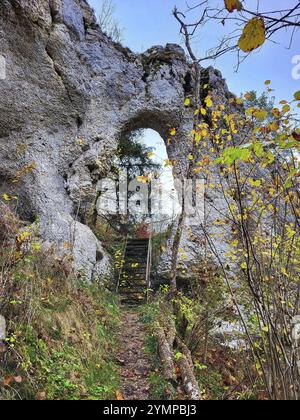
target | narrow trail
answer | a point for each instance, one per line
(135, 365)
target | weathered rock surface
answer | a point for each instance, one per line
(68, 96)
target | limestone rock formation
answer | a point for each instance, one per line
(69, 94)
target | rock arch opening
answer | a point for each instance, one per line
(141, 189)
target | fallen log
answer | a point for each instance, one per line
(189, 381)
(169, 326)
(166, 356)
(186, 351)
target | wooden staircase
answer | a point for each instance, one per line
(134, 277)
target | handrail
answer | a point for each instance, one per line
(121, 268)
(149, 266)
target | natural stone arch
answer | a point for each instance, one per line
(69, 93)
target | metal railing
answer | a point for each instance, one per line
(149, 267)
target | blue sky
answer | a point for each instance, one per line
(150, 22)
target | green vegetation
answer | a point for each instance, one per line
(220, 371)
(160, 389)
(61, 334)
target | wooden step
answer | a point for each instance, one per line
(137, 246)
(133, 286)
(137, 241)
(135, 295)
(141, 293)
(137, 269)
(136, 256)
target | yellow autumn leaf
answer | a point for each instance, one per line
(168, 162)
(143, 179)
(265, 329)
(274, 126)
(291, 232)
(173, 131)
(134, 265)
(203, 111)
(254, 35)
(297, 95)
(249, 96)
(286, 109)
(260, 114)
(255, 183)
(79, 142)
(36, 247)
(150, 154)
(208, 102)
(187, 102)
(5, 197)
(232, 5)
(197, 137)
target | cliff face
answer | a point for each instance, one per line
(68, 95)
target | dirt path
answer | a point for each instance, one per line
(135, 366)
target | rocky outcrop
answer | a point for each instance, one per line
(68, 96)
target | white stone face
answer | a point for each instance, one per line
(2, 328)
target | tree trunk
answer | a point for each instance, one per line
(190, 383)
(166, 356)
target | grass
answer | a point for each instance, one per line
(61, 333)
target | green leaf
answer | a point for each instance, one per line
(270, 157)
(258, 150)
(232, 154)
(178, 356)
